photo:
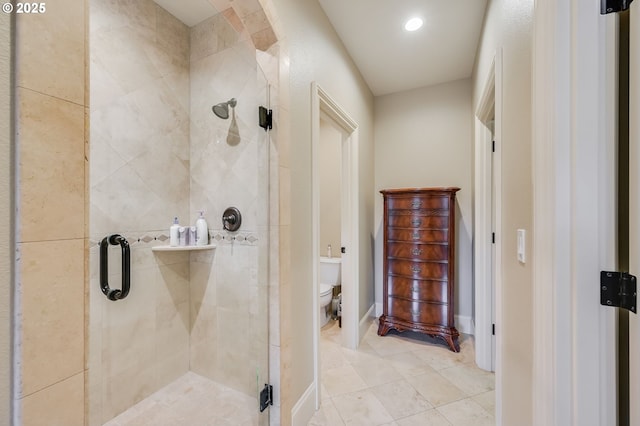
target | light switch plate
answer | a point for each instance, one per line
(521, 245)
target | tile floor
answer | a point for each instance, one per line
(192, 400)
(402, 380)
(397, 380)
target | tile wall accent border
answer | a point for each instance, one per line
(217, 236)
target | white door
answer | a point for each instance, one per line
(634, 207)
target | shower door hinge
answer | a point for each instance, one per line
(618, 289)
(266, 397)
(612, 6)
(265, 119)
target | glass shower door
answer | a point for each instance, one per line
(189, 343)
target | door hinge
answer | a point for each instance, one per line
(493, 146)
(493, 238)
(343, 250)
(493, 329)
(612, 6)
(618, 289)
(265, 118)
(266, 397)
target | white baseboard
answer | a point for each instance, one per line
(378, 309)
(464, 324)
(305, 408)
(364, 322)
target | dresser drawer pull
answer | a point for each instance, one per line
(415, 204)
(415, 268)
(416, 222)
(416, 236)
(416, 252)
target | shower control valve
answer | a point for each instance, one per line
(231, 219)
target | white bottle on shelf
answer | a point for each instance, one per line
(202, 231)
(173, 233)
(192, 235)
(182, 236)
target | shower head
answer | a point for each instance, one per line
(222, 109)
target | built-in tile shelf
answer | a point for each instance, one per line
(183, 248)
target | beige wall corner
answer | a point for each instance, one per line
(306, 29)
(508, 27)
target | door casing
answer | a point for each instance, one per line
(323, 103)
(574, 169)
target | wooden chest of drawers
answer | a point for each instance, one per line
(419, 263)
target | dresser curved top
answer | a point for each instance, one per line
(397, 191)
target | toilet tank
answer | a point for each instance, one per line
(330, 272)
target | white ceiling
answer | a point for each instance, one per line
(390, 58)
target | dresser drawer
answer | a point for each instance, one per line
(421, 290)
(438, 251)
(410, 219)
(418, 202)
(418, 312)
(424, 270)
(418, 235)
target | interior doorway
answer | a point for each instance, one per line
(327, 112)
(487, 218)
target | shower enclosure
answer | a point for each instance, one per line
(193, 328)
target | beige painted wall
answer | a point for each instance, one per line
(6, 207)
(423, 138)
(508, 26)
(316, 54)
(330, 162)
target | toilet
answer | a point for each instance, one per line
(330, 275)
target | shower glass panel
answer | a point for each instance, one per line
(189, 343)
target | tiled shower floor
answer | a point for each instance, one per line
(194, 401)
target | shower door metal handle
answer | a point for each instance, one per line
(115, 294)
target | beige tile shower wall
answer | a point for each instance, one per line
(139, 180)
(226, 154)
(228, 311)
(50, 137)
(139, 118)
(141, 343)
(229, 167)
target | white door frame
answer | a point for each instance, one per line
(574, 163)
(485, 299)
(323, 104)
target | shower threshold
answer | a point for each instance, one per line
(192, 400)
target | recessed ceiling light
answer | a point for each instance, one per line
(413, 24)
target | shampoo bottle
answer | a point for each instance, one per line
(202, 231)
(173, 233)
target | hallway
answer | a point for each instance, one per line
(400, 381)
